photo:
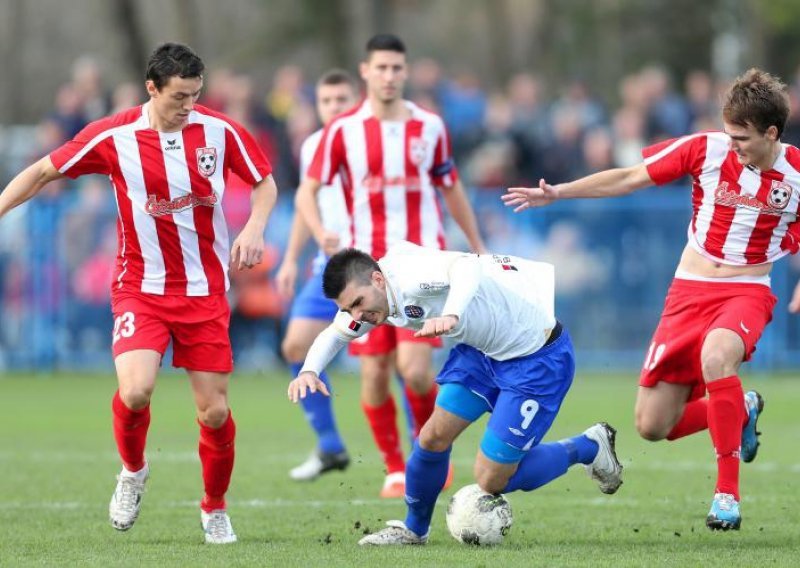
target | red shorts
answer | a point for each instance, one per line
(384, 339)
(198, 326)
(692, 309)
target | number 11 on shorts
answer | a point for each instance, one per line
(653, 355)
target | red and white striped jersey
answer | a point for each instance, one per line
(172, 236)
(741, 215)
(389, 171)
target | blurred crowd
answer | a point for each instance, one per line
(505, 135)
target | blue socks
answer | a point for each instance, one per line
(546, 462)
(318, 409)
(426, 473)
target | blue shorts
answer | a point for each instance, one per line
(523, 394)
(311, 302)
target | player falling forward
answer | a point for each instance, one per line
(168, 160)
(392, 157)
(312, 311)
(513, 359)
(745, 202)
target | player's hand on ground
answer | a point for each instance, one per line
(435, 327)
(330, 243)
(306, 383)
(794, 304)
(247, 249)
(285, 278)
(521, 198)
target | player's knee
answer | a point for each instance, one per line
(651, 429)
(717, 364)
(417, 377)
(434, 438)
(214, 415)
(135, 397)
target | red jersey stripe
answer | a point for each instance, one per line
(377, 201)
(194, 137)
(413, 192)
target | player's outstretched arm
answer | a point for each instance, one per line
(28, 183)
(608, 183)
(305, 383)
(248, 248)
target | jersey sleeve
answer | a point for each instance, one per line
(329, 156)
(333, 338)
(87, 153)
(443, 171)
(673, 159)
(244, 156)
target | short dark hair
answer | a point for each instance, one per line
(385, 42)
(346, 266)
(173, 60)
(758, 99)
(337, 77)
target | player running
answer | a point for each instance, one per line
(513, 359)
(745, 202)
(168, 161)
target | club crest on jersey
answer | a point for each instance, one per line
(206, 161)
(417, 150)
(779, 194)
(414, 312)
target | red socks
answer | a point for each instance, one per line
(383, 423)
(726, 416)
(421, 406)
(216, 456)
(130, 432)
(694, 419)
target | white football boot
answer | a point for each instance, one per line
(217, 527)
(123, 510)
(605, 469)
(395, 533)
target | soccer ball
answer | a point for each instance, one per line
(479, 518)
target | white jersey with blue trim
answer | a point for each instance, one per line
(505, 304)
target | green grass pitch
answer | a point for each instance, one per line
(58, 462)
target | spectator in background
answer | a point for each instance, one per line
(87, 79)
(629, 136)
(668, 113)
(493, 162)
(125, 95)
(288, 88)
(68, 111)
(530, 124)
(701, 97)
(463, 103)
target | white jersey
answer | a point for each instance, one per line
(505, 304)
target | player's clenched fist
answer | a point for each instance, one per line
(305, 383)
(434, 327)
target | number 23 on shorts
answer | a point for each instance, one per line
(123, 326)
